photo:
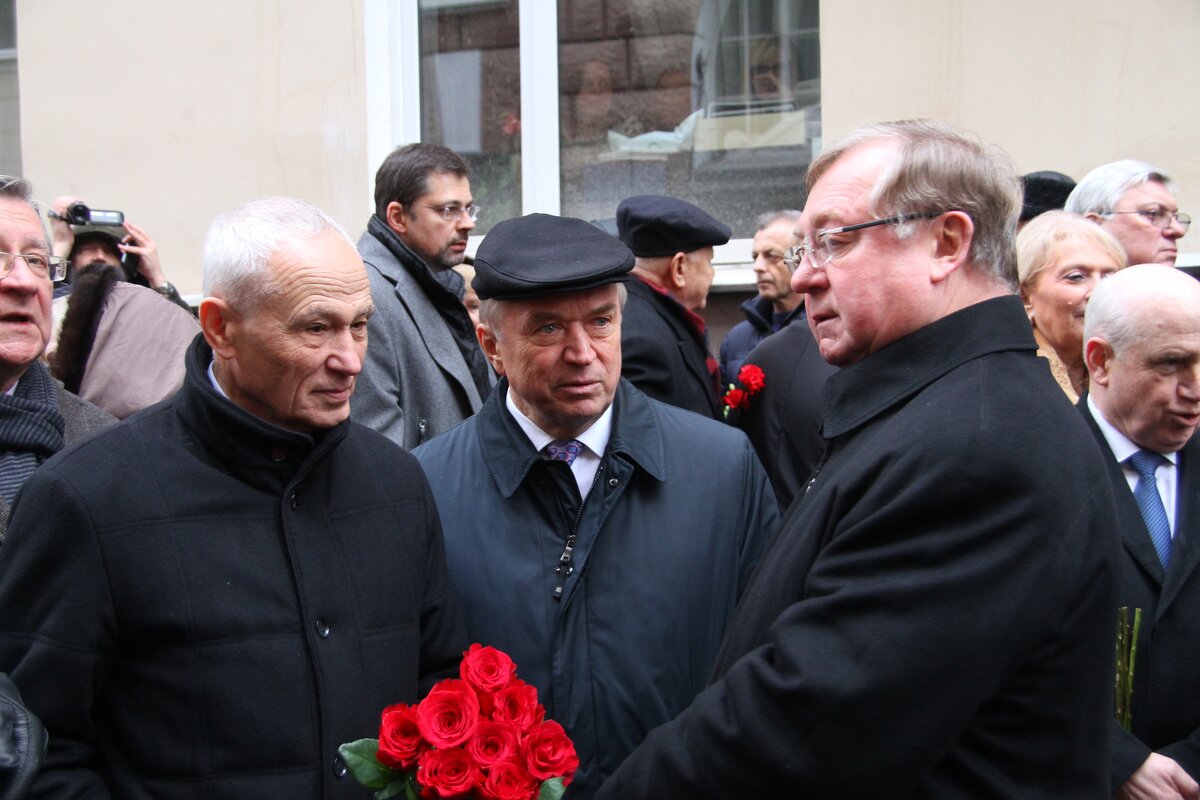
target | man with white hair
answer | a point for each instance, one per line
(1142, 346)
(209, 598)
(1135, 202)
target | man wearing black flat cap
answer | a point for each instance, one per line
(664, 342)
(576, 529)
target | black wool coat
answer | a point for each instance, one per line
(1166, 676)
(662, 355)
(199, 604)
(783, 420)
(935, 618)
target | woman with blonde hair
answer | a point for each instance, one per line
(1061, 257)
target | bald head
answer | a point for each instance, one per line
(1142, 348)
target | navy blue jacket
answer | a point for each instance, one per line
(678, 516)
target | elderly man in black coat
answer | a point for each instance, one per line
(936, 616)
(207, 599)
(664, 341)
(1142, 348)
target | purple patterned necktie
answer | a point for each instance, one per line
(560, 450)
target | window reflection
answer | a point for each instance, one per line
(471, 96)
(713, 101)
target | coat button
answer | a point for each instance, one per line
(322, 629)
(278, 453)
(612, 483)
(339, 767)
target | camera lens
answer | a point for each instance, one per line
(79, 214)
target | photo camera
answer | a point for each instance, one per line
(80, 214)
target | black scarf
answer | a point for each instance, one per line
(31, 428)
(444, 292)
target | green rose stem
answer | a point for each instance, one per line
(1126, 661)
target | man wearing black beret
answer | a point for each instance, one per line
(664, 342)
(575, 526)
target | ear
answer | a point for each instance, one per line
(396, 218)
(216, 320)
(953, 234)
(489, 345)
(1028, 304)
(677, 273)
(1094, 217)
(1098, 356)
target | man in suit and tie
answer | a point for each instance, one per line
(1142, 345)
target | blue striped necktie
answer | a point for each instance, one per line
(1150, 503)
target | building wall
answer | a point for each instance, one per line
(175, 112)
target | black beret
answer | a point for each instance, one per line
(1044, 191)
(652, 225)
(543, 254)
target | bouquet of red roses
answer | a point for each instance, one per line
(484, 736)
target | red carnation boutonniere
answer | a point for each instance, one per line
(483, 735)
(753, 380)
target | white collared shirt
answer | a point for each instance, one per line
(1123, 447)
(594, 441)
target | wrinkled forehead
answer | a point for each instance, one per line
(1151, 192)
(317, 268)
(20, 226)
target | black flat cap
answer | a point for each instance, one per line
(1044, 191)
(652, 225)
(543, 254)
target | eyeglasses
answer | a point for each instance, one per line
(51, 267)
(1160, 217)
(452, 212)
(826, 248)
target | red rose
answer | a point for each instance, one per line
(449, 714)
(736, 398)
(447, 773)
(487, 670)
(517, 703)
(400, 739)
(549, 752)
(494, 741)
(508, 780)
(752, 378)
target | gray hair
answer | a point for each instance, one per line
(1102, 188)
(16, 188)
(943, 168)
(240, 243)
(491, 310)
(1038, 242)
(771, 217)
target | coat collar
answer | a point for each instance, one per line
(761, 314)
(860, 392)
(252, 450)
(636, 438)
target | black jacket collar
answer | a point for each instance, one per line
(254, 451)
(862, 391)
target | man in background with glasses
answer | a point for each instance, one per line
(424, 372)
(1135, 202)
(935, 616)
(37, 416)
